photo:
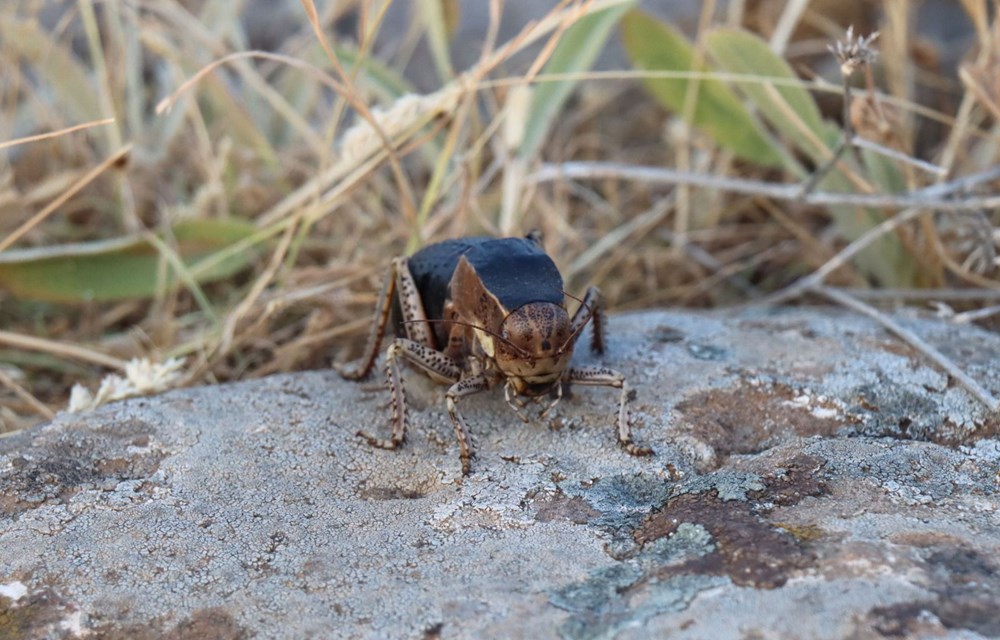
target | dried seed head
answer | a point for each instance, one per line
(408, 111)
(854, 52)
(142, 377)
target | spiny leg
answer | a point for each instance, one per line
(599, 376)
(462, 388)
(434, 363)
(515, 403)
(383, 305)
(397, 278)
(414, 315)
(552, 405)
(592, 309)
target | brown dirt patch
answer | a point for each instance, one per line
(748, 420)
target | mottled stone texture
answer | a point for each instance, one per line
(813, 478)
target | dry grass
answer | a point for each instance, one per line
(337, 166)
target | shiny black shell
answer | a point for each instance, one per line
(515, 270)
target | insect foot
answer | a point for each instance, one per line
(481, 313)
(600, 376)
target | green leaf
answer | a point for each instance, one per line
(120, 268)
(654, 46)
(576, 51)
(790, 109)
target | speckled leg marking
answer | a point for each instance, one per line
(397, 278)
(591, 309)
(460, 389)
(435, 364)
(360, 369)
(599, 376)
(417, 327)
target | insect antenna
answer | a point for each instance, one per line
(521, 352)
(576, 332)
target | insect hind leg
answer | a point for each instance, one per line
(415, 323)
(435, 364)
(397, 279)
(591, 309)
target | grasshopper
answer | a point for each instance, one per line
(475, 313)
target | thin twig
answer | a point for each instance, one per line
(976, 314)
(915, 341)
(953, 295)
(816, 278)
(929, 198)
(963, 183)
(845, 141)
(863, 143)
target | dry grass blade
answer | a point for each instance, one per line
(25, 396)
(60, 350)
(350, 93)
(244, 307)
(73, 189)
(274, 99)
(55, 134)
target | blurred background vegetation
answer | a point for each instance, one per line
(224, 181)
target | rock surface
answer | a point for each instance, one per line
(813, 478)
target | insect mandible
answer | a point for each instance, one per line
(475, 313)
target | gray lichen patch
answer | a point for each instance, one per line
(253, 509)
(945, 416)
(630, 593)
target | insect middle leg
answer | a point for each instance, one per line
(591, 309)
(599, 376)
(435, 364)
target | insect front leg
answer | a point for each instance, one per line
(397, 278)
(435, 364)
(515, 403)
(552, 405)
(462, 388)
(599, 376)
(591, 309)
